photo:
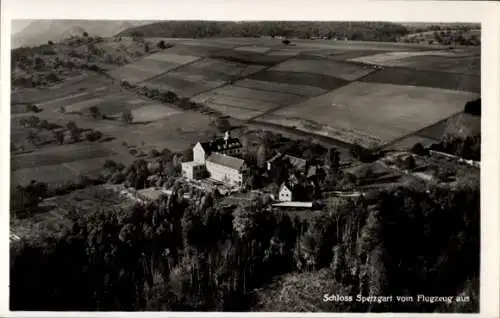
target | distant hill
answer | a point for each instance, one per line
(367, 31)
(39, 32)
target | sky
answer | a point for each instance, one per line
(18, 25)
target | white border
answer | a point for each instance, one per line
(483, 12)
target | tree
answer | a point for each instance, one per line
(127, 117)
(33, 138)
(50, 43)
(332, 159)
(161, 45)
(222, 124)
(419, 149)
(95, 112)
(85, 34)
(94, 135)
(59, 136)
(261, 156)
(146, 47)
(409, 163)
(71, 125)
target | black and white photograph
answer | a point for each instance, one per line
(245, 166)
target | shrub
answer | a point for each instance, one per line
(93, 135)
(154, 153)
(286, 42)
(419, 149)
(473, 107)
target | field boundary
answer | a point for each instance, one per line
(305, 100)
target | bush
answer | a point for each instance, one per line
(419, 149)
(154, 153)
(93, 135)
(286, 42)
(473, 107)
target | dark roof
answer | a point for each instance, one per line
(220, 144)
(297, 162)
(227, 161)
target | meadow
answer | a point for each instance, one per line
(371, 114)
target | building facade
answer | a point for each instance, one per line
(217, 158)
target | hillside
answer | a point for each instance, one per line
(41, 31)
(52, 63)
(367, 31)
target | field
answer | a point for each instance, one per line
(151, 66)
(401, 76)
(151, 113)
(201, 76)
(456, 61)
(371, 114)
(345, 71)
(325, 82)
(79, 85)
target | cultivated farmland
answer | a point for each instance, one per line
(345, 71)
(463, 62)
(402, 76)
(151, 113)
(202, 75)
(151, 66)
(371, 114)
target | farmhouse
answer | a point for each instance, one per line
(298, 163)
(215, 158)
(295, 190)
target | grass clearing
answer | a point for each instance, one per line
(345, 71)
(371, 114)
(400, 76)
(152, 112)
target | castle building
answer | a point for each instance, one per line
(217, 158)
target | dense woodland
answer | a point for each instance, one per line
(363, 31)
(176, 254)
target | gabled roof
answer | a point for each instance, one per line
(220, 144)
(297, 162)
(227, 161)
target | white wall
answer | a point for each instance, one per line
(198, 153)
(219, 172)
(285, 194)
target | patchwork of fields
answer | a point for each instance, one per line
(371, 114)
(353, 92)
(152, 65)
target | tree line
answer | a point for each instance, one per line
(363, 31)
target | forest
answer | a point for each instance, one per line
(199, 255)
(362, 31)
